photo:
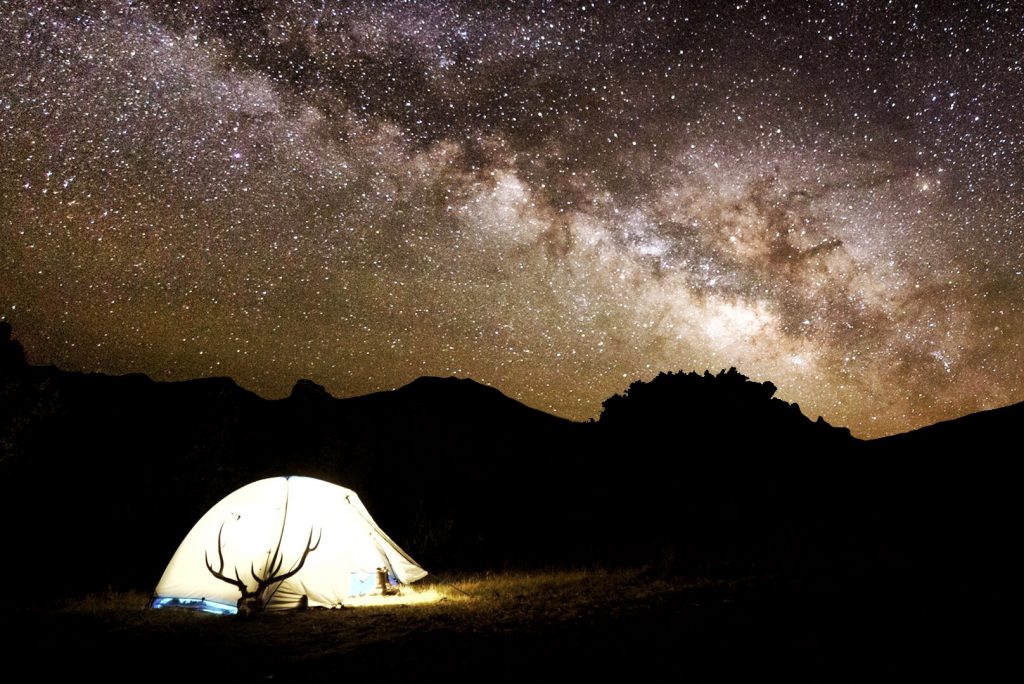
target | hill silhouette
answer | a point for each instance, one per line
(996, 429)
(686, 472)
(953, 488)
(449, 463)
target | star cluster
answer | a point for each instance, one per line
(553, 199)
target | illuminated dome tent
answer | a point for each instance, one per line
(282, 543)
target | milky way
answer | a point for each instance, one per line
(555, 200)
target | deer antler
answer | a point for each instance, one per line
(219, 573)
(253, 600)
(274, 567)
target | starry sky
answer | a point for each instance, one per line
(554, 199)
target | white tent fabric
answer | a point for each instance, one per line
(280, 513)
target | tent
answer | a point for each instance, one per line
(283, 542)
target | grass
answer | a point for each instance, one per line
(505, 627)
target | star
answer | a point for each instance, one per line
(555, 200)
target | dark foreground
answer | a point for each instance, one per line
(510, 627)
(775, 546)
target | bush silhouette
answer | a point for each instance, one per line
(724, 397)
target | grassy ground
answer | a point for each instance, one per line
(507, 627)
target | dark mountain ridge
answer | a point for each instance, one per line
(684, 471)
(997, 428)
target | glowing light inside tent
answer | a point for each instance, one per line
(278, 517)
(196, 604)
(409, 596)
(363, 583)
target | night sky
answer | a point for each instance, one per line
(554, 200)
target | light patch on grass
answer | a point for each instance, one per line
(409, 596)
(473, 601)
(440, 622)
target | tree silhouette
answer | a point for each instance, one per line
(726, 407)
(670, 393)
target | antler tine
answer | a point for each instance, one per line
(276, 562)
(220, 555)
(273, 567)
(219, 573)
(279, 560)
(220, 547)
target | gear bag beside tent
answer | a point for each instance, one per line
(291, 542)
